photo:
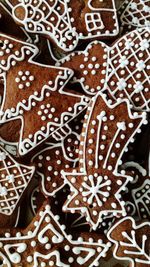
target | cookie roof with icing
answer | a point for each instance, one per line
(45, 243)
(131, 241)
(122, 71)
(96, 184)
(37, 94)
(67, 22)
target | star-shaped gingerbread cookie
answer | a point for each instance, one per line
(96, 184)
(45, 243)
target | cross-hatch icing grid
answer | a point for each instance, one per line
(13, 180)
(137, 13)
(129, 68)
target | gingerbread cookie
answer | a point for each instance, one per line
(38, 95)
(14, 181)
(135, 14)
(96, 184)
(132, 241)
(122, 71)
(67, 22)
(57, 156)
(45, 243)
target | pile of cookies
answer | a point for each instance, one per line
(74, 133)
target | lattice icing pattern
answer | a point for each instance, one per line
(14, 180)
(121, 71)
(136, 13)
(129, 68)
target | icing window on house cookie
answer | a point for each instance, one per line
(94, 22)
(93, 19)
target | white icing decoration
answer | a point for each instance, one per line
(54, 148)
(11, 148)
(14, 179)
(125, 68)
(53, 126)
(141, 196)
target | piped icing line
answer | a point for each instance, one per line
(28, 105)
(137, 166)
(121, 71)
(55, 157)
(141, 197)
(28, 38)
(131, 242)
(92, 68)
(26, 48)
(46, 133)
(10, 147)
(135, 35)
